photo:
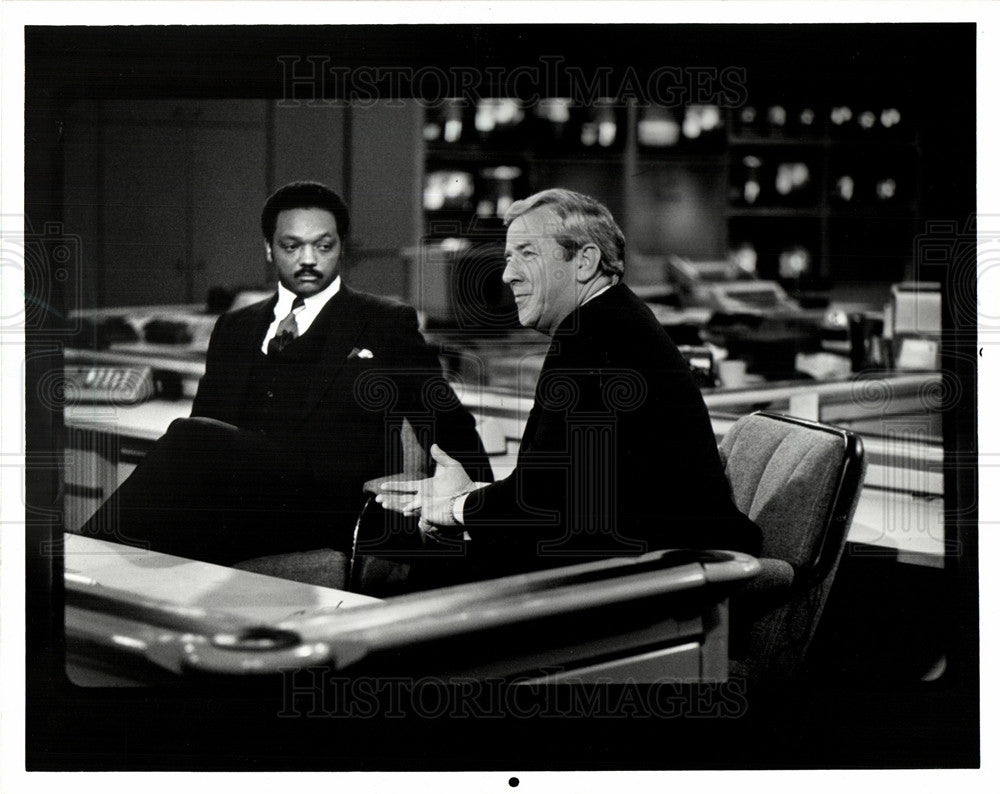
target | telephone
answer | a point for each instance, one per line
(120, 385)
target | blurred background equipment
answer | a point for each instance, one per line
(757, 231)
(914, 314)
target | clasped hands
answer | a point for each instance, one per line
(431, 499)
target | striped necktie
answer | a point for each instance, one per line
(287, 330)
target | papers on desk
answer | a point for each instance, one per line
(918, 354)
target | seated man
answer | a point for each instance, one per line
(618, 455)
(302, 401)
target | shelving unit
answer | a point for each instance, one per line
(835, 201)
(858, 212)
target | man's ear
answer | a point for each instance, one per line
(588, 262)
(267, 253)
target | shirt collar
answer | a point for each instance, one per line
(568, 326)
(600, 291)
(313, 303)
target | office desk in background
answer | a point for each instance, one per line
(901, 513)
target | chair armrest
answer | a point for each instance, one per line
(776, 578)
(769, 590)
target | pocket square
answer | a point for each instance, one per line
(363, 352)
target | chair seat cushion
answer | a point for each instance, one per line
(322, 567)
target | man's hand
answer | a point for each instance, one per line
(431, 498)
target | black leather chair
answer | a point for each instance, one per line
(363, 573)
(800, 482)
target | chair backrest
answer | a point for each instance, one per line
(800, 482)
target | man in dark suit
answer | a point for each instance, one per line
(304, 398)
(618, 455)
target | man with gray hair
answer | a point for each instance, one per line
(618, 455)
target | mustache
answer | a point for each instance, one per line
(307, 269)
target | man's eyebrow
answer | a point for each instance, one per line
(296, 238)
(520, 246)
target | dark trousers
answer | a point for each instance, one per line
(213, 492)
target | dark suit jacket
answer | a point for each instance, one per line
(348, 428)
(216, 488)
(618, 455)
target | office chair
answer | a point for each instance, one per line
(800, 482)
(349, 571)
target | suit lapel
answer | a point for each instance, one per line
(534, 415)
(249, 328)
(528, 436)
(564, 346)
(342, 330)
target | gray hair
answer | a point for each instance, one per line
(584, 220)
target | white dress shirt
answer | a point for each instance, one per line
(602, 290)
(304, 318)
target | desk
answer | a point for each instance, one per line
(249, 596)
(199, 592)
(900, 514)
(663, 616)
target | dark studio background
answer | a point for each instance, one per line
(841, 724)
